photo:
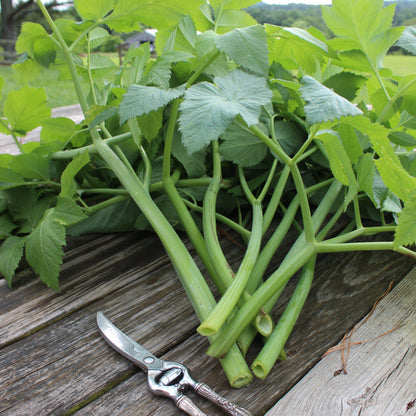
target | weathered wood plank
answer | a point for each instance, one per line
(50, 371)
(381, 375)
(345, 288)
(90, 271)
(67, 363)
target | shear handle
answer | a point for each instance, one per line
(232, 409)
(188, 406)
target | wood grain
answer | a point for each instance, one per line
(91, 270)
(66, 365)
(381, 375)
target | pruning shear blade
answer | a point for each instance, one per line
(165, 378)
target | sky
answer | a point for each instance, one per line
(297, 1)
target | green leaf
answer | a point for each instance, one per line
(11, 251)
(408, 40)
(194, 164)
(93, 10)
(232, 19)
(323, 104)
(140, 99)
(6, 226)
(242, 148)
(158, 14)
(247, 47)
(26, 108)
(158, 72)
(34, 40)
(406, 230)
(402, 139)
(70, 30)
(232, 4)
(29, 34)
(346, 84)
(290, 136)
(384, 199)
(67, 212)
(355, 60)
(181, 38)
(68, 184)
(9, 177)
(396, 178)
(31, 166)
(116, 218)
(97, 114)
(208, 109)
(206, 43)
(366, 170)
(407, 120)
(339, 161)
(44, 249)
(295, 48)
(350, 142)
(99, 62)
(59, 129)
(364, 25)
(150, 124)
(26, 70)
(98, 36)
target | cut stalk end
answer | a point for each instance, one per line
(259, 370)
(206, 330)
(264, 324)
(241, 381)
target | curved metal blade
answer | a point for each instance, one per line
(126, 346)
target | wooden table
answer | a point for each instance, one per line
(53, 360)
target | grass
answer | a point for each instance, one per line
(58, 92)
(61, 92)
(401, 64)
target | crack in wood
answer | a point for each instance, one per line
(370, 397)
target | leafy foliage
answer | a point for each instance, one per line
(208, 109)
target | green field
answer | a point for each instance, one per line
(61, 92)
(401, 64)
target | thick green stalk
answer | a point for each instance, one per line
(271, 246)
(275, 199)
(105, 204)
(229, 300)
(298, 255)
(192, 280)
(231, 330)
(137, 137)
(216, 254)
(184, 215)
(70, 154)
(364, 246)
(269, 354)
(67, 52)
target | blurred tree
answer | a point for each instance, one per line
(14, 13)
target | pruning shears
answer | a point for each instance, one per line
(165, 378)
